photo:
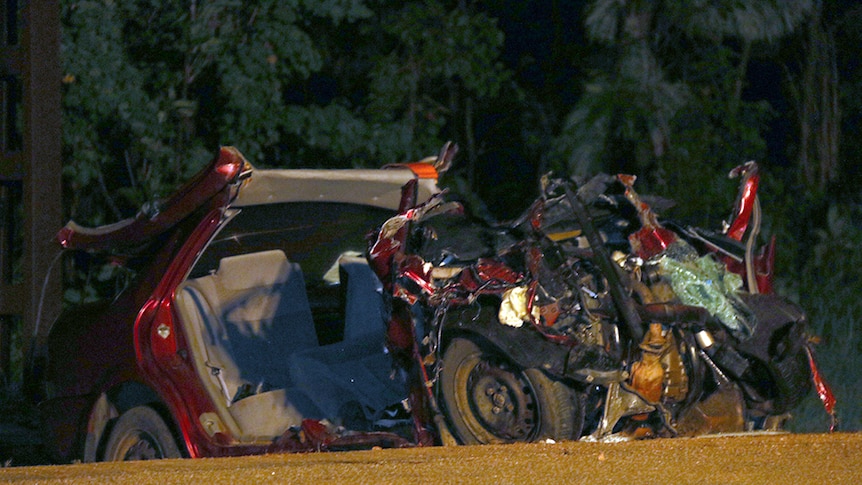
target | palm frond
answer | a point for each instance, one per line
(749, 20)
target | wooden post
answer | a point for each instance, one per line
(30, 166)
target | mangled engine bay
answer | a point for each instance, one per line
(587, 316)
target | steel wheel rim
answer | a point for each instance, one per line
(498, 401)
(139, 445)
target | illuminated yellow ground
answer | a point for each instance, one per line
(774, 459)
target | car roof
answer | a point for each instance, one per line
(373, 187)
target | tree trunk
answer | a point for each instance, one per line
(819, 111)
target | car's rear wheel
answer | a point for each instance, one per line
(140, 434)
(490, 400)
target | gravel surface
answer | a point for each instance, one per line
(782, 459)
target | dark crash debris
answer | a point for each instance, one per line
(590, 316)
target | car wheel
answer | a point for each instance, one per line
(140, 434)
(490, 400)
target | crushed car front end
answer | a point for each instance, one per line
(590, 315)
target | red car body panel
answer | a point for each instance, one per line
(227, 167)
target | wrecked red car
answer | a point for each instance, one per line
(254, 323)
(589, 317)
(299, 310)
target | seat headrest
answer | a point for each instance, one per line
(252, 270)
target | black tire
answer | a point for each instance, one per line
(487, 399)
(140, 434)
(791, 371)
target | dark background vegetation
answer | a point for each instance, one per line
(675, 92)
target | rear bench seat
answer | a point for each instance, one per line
(355, 372)
(255, 344)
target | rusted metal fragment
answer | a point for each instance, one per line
(721, 412)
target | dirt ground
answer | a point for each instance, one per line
(781, 459)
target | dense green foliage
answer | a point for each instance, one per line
(829, 289)
(677, 95)
(668, 102)
(153, 88)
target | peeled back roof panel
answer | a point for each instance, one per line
(374, 187)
